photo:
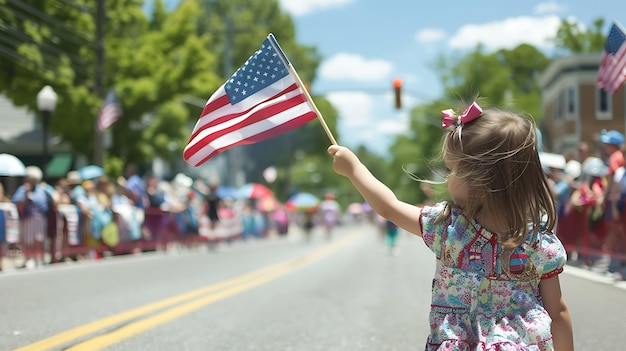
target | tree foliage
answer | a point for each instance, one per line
(51, 42)
(502, 78)
(574, 38)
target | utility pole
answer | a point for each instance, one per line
(229, 154)
(234, 157)
(98, 156)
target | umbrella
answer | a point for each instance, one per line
(267, 204)
(254, 191)
(227, 192)
(355, 208)
(594, 166)
(552, 160)
(11, 166)
(91, 172)
(302, 202)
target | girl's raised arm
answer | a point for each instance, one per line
(382, 200)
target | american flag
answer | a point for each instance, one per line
(612, 71)
(260, 100)
(110, 111)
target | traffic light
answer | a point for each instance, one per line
(397, 89)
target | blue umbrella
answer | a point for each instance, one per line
(302, 202)
(227, 192)
(91, 172)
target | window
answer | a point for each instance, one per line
(604, 104)
(558, 108)
(571, 102)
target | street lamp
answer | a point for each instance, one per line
(46, 103)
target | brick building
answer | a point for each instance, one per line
(574, 109)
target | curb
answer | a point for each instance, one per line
(596, 277)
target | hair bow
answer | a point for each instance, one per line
(471, 113)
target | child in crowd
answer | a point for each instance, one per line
(496, 285)
(391, 233)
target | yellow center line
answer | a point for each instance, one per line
(228, 288)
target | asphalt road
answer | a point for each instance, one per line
(277, 294)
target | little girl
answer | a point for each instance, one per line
(496, 285)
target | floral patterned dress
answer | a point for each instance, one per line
(485, 297)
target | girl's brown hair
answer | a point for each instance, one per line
(499, 162)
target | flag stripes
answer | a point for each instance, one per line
(286, 113)
(262, 99)
(110, 112)
(612, 72)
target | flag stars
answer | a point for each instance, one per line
(262, 69)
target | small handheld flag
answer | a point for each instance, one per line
(110, 112)
(262, 99)
(612, 72)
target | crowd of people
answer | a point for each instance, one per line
(77, 218)
(83, 218)
(590, 189)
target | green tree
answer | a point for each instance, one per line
(506, 77)
(51, 42)
(574, 38)
(151, 65)
(156, 70)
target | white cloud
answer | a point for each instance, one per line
(393, 126)
(303, 7)
(549, 7)
(361, 124)
(508, 33)
(354, 107)
(429, 35)
(355, 67)
(378, 135)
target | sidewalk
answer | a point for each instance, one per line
(605, 278)
(10, 264)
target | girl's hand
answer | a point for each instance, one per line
(344, 160)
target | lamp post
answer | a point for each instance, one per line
(46, 103)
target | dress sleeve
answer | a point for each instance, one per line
(433, 233)
(549, 256)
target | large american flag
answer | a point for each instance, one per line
(612, 71)
(110, 112)
(261, 100)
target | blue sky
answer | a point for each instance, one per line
(367, 43)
